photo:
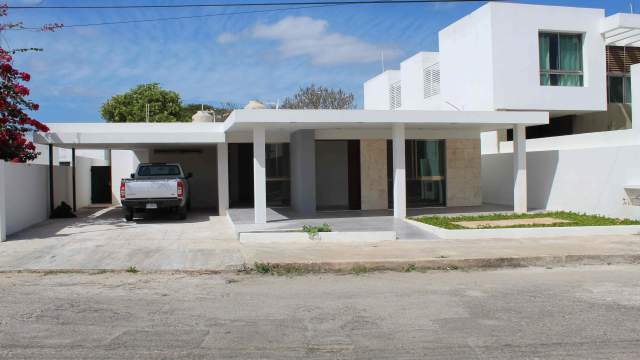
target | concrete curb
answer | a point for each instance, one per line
(454, 264)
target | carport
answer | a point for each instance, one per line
(193, 145)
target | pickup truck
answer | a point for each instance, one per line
(156, 186)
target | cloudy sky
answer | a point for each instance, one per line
(222, 58)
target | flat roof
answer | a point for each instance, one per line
(140, 135)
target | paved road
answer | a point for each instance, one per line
(572, 313)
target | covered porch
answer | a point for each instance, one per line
(304, 130)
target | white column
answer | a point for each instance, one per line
(635, 101)
(519, 169)
(223, 178)
(399, 172)
(259, 176)
(3, 205)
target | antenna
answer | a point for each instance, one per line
(147, 113)
(631, 6)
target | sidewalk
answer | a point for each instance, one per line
(451, 253)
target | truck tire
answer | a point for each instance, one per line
(182, 212)
(128, 215)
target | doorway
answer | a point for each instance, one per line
(101, 184)
(338, 175)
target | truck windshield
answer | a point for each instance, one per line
(158, 170)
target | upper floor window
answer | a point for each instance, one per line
(431, 80)
(560, 59)
(395, 95)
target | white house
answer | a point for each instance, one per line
(574, 63)
(501, 73)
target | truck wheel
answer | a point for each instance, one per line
(182, 212)
(128, 216)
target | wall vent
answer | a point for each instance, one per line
(431, 80)
(395, 95)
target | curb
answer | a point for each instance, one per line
(454, 264)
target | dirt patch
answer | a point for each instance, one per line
(509, 222)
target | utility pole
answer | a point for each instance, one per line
(147, 113)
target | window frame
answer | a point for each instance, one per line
(558, 72)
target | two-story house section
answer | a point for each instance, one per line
(572, 62)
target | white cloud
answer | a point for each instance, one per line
(227, 37)
(306, 36)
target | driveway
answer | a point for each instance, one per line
(99, 238)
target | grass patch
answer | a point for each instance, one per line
(573, 219)
(280, 269)
(133, 270)
(313, 231)
(359, 269)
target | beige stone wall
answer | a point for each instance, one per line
(463, 172)
(373, 177)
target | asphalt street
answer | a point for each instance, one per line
(563, 313)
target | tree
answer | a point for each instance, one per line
(15, 123)
(164, 105)
(319, 97)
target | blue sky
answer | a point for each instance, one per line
(234, 58)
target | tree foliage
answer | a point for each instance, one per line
(15, 122)
(319, 97)
(164, 105)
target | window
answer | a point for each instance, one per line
(619, 88)
(159, 170)
(431, 80)
(560, 59)
(278, 174)
(395, 95)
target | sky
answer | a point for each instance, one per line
(226, 58)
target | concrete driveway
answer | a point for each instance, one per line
(99, 238)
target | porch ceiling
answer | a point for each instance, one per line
(131, 135)
(372, 119)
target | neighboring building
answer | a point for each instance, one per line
(574, 63)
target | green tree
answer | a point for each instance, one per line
(319, 97)
(164, 105)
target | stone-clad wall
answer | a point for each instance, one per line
(463, 172)
(373, 177)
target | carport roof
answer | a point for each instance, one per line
(141, 135)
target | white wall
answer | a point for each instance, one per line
(582, 180)
(376, 90)
(466, 61)
(516, 64)
(123, 163)
(411, 77)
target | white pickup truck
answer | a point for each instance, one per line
(156, 186)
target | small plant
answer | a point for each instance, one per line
(410, 268)
(262, 268)
(132, 269)
(359, 269)
(313, 231)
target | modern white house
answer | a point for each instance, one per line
(573, 63)
(457, 127)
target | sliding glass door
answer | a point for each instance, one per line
(425, 172)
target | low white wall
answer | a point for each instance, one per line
(583, 180)
(25, 199)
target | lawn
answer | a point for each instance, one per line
(571, 219)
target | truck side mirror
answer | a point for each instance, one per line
(189, 175)
(133, 175)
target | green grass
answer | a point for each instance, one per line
(132, 269)
(573, 219)
(314, 230)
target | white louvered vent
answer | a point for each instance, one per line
(431, 80)
(395, 95)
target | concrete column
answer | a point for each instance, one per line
(399, 172)
(519, 169)
(223, 178)
(635, 100)
(3, 205)
(302, 152)
(259, 176)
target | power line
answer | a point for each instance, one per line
(249, 4)
(133, 21)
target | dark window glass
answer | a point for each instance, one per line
(278, 175)
(425, 172)
(159, 170)
(560, 57)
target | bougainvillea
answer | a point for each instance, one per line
(15, 122)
